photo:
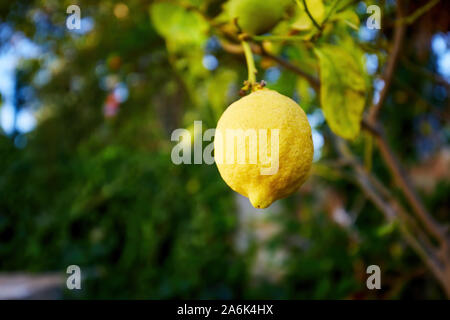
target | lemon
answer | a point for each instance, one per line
(257, 16)
(283, 149)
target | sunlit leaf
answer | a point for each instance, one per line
(177, 23)
(303, 21)
(349, 17)
(342, 4)
(343, 89)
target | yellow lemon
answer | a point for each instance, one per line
(263, 147)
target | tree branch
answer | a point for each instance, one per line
(314, 82)
(390, 159)
(237, 49)
(419, 12)
(403, 182)
(393, 210)
(399, 34)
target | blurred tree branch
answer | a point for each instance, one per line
(393, 210)
(399, 35)
(431, 255)
(424, 72)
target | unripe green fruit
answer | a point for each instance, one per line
(257, 16)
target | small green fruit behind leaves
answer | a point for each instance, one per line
(257, 16)
(343, 89)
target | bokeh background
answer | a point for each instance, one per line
(86, 176)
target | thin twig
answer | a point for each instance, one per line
(314, 82)
(279, 38)
(403, 182)
(399, 35)
(419, 12)
(425, 72)
(333, 6)
(311, 17)
(237, 49)
(386, 152)
(392, 210)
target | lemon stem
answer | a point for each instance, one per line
(250, 63)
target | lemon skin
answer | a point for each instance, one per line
(267, 109)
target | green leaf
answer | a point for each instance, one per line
(303, 21)
(345, 4)
(343, 89)
(349, 17)
(178, 24)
